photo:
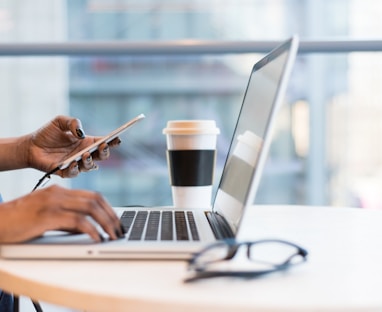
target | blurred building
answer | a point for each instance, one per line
(326, 145)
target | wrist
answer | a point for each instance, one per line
(14, 153)
(24, 151)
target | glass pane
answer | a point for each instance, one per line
(32, 91)
(73, 20)
(326, 144)
(105, 92)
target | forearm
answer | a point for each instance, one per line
(13, 153)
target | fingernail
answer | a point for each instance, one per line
(95, 167)
(80, 133)
(123, 229)
(101, 238)
(106, 149)
(119, 234)
(89, 159)
(75, 169)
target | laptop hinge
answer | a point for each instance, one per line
(219, 226)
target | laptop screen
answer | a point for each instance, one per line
(251, 139)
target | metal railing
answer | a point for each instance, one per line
(186, 47)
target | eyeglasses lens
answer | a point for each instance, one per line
(216, 253)
(273, 253)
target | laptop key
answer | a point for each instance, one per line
(181, 226)
(152, 226)
(127, 219)
(192, 224)
(167, 232)
(138, 226)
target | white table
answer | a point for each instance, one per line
(343, 272)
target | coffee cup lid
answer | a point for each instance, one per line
(184, 127)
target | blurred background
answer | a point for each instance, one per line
(326, 148)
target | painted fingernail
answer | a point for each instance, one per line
(106, 149)
(101, 238)
(117, 233)
(80, 133)
(123, 229)
(95, 167)
(89, 159)
(75, 169)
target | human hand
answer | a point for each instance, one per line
(60, 139)
(57, 208)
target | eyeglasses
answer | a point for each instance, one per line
(252, 259)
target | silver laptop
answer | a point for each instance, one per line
(168, 233)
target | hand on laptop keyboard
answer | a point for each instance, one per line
(57, 208)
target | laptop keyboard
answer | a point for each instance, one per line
(159, 225)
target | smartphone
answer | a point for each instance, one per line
(106, 139)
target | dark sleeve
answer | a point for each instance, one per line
(6, 302)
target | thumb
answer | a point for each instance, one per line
(73, 125)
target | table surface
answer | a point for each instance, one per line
(343, 271)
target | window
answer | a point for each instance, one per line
(325, 148)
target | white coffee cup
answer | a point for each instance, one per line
(191, 156)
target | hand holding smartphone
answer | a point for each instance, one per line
(106, 139)
(91, 148)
